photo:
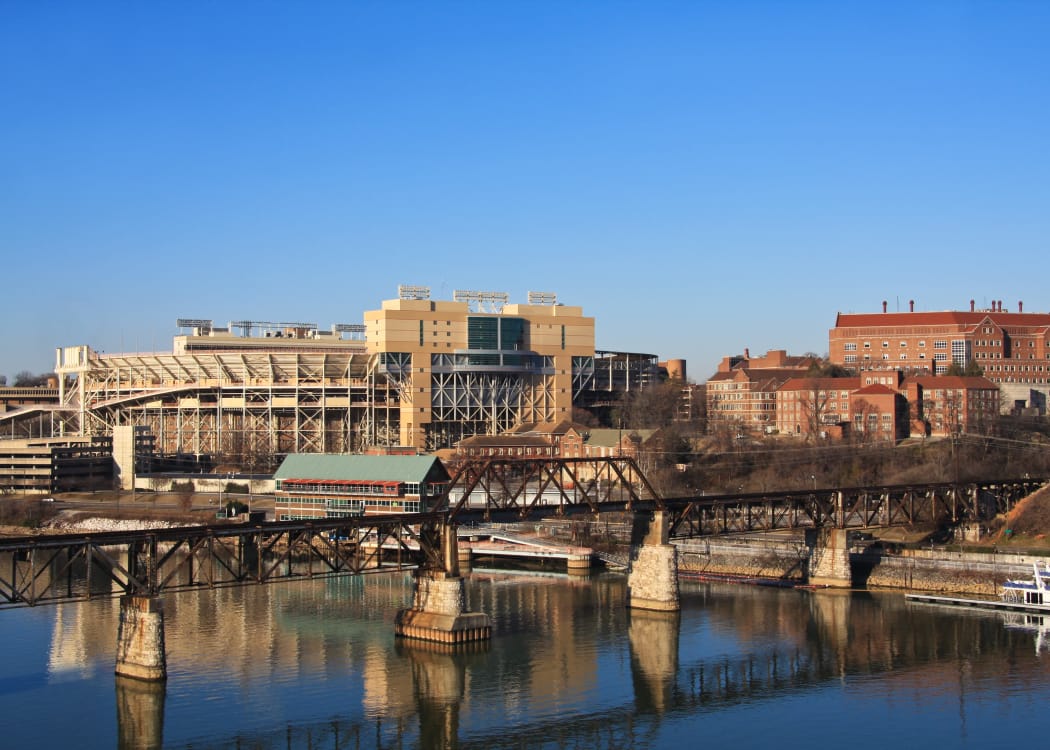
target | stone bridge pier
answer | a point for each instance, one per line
(828, 558)
(652, 577)
(140, 638)
(437, 613)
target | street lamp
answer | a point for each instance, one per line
(813, 477)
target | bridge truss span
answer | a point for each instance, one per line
(852, 507)
(536, 487)
(53, 569)
(44, 569)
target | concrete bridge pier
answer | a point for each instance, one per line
(828, 558)
(439, 601)
(140, 638)
(652, 576)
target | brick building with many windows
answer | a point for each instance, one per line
(886, 406)
(1010, 347)
(742, 394)
(951, 405)
(840, 407)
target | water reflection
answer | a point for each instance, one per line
(1037, 625)
(316, 663)
(439, 676)
(653, 637)
(140, 714)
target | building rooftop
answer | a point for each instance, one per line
(364, 468)
(945, 318)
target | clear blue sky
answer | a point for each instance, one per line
(699, 176)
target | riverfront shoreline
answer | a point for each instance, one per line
(775, 559)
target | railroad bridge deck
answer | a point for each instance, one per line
(41, 569)
(140, 566)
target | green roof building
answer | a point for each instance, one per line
(323, 485)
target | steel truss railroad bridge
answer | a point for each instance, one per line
(44, 569)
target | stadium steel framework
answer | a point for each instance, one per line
(250, 402)
(255, 391)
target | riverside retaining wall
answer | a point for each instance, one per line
(780, 557)
(943, 571)
(752, 558)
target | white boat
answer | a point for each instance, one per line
(1033, 594)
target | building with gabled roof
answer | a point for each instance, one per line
(602, 442)
(841, 407)
(806, 406)
(879, 412)
(325, 485)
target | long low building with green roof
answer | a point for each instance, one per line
(327, 485)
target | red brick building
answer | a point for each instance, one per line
(951, 405)
(805, 406)
(531, 440)
(840, 407)
(879, 412)
(1010, 347)
(886, 406)
(743, 392)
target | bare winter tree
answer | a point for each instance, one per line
(26, 379)
(863, 411)
(651, 407)
(815, 407)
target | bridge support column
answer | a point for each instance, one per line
(578, 565)
(652, 577)
(140, 638)
(437, 606)
(828, 558)
(465, 556)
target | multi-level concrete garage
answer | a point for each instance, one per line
(418, 373)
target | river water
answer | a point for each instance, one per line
(314, 664)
